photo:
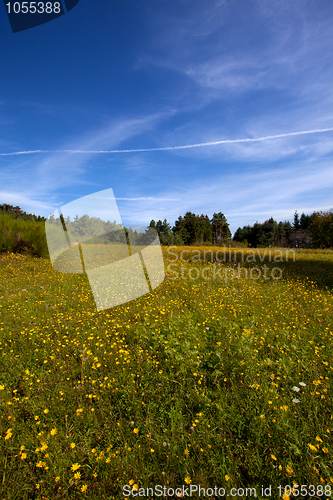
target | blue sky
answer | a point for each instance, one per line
(153, 75)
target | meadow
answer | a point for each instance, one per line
(213, 379)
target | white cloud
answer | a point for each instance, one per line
(243, 197)
(25, 200)
(170, 148)
(62, 168)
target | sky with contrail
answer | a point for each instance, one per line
(236, 98)
(166, 148)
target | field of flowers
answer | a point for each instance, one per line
(216, 378)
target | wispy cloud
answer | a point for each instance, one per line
(28, 200)
(243, 196)
(33, 185)
(166, 148)
(148, 198)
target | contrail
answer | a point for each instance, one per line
(168, 148)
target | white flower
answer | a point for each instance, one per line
(295, 388)
(302, 384)
(295, 400)
(207, 327)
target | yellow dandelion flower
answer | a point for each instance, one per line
(77, 475)
(75, 467)
(187, 480)
(285, 496)
(23, 456)
(135, 431)
(2, 387)
(325, 450)
(227, 477)
(72, 445)
(152, 450)
(135, 487)
(313, 448)
(53, 432)
(57, 479)
(84, 488)
(273, 457)
(289, 470)
(318, 439)
(131, 482)
(46, 411)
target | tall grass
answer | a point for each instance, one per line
(22, 236)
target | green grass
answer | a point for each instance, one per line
(190, 383)
(24, 236)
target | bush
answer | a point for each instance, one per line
(22, 236)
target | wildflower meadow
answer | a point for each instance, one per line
(216, 378)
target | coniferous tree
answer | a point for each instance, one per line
(221, 231)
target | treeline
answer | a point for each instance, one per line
(94, 230)
(17, 213)
(22, 232)
(307, 231)
(194, 230)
